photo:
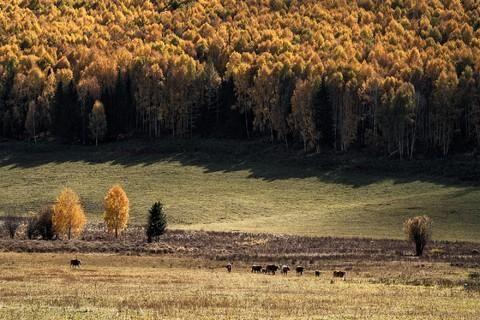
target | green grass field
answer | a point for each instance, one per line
(225, 186)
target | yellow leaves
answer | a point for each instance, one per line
(447, 80)
(418, 228)
(117, 206)
(68, 216)
(302, 117)
(35, 78)
(98, 108)
(64, 76)
(89, 87)
(62, 63)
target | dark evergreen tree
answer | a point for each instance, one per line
(66, 113)
(157, 222)
(324, 115)
(5, 114)
(120, 107)
(287, 87)
(231, 122)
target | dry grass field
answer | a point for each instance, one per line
(42, 286)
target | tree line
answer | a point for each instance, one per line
(397, 77)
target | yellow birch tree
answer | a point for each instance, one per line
(68, 215)
(116, 206)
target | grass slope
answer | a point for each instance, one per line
(127, 287)
(229, 186)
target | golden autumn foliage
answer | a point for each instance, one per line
(97, 122)
(419, 232)
(166, 68)
(117, 206)
(68, 215)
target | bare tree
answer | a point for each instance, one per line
(41, 225)
(11, 224)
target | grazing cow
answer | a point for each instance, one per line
(75, 263)
(229, 267)
(317, 273)
(256, 268)
(339, 274)
(271, 269)
(299, 270)
(285, 269)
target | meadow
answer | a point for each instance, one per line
(42, 286)
(230, 186)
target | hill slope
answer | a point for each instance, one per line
(245, 190)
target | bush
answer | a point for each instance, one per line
(41, 225)
(11, 224)
(419, 232)
(157, 222)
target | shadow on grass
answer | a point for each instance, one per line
(264, 161)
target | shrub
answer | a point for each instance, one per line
(419, 232)
(31, 227)
(41, 225)
(157, 222)
(11, 224)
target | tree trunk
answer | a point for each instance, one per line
(246, 123)
(418, 249)
(34, 131)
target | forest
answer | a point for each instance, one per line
(394, 77)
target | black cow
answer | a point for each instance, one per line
(229, 267)
(285, 269)
(299, 270)
(256, 268)
(339, 274)
(271, 269)
(75, 263)
(317, 273)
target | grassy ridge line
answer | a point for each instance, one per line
(225, 185)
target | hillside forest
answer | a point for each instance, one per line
(396, 77)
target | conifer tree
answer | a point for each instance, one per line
(157, 222)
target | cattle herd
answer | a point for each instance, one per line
(267, 269)
(284, 269)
